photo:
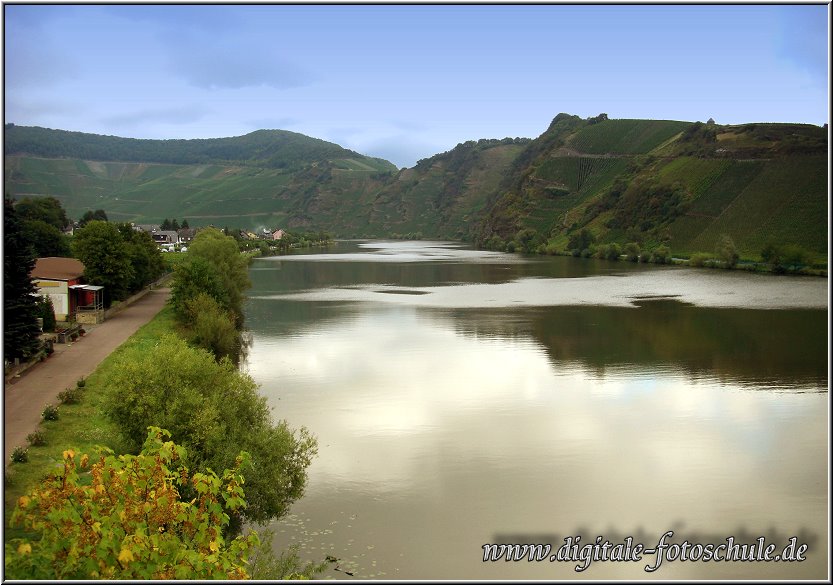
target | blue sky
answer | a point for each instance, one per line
(406, 82)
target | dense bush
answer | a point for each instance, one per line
(661, 255)
(214, 411)
(631, 250)
(212, 327)
(127, 519)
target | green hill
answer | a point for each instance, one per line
(278, 149)
(656, 181)
(685, 184)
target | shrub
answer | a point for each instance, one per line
(213, 410)
(37, 438)
(50, 412)
(81, 382)
(212, 328)
(698, 259)
(727, 252)
(20, 455)
(136, 525)
(612, 252)
(632, 251)
(661, 255)
(70, 396)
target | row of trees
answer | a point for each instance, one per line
(117, 257)
(173, 224)
(207, 293)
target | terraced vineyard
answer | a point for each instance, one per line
(625, 136)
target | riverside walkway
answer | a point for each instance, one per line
(25, 397)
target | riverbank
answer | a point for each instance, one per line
(80, 426)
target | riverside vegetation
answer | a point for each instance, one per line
(171, 522)
(652, 183)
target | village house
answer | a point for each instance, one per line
(59, 279)
(278, 234)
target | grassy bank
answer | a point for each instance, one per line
(80, 426)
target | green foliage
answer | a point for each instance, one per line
(90, 215)
(212, 327)
(46, 209)
(46, 239)
(785, 257)
(581, 241)
(106, 257)
(20, 311)
(46, 312)
(727, 252)
(144, 255)
(264, 565)
(213, 410)
(661, 255)
(49, 412)
(130, 520)
(81, 382)
(699, 259)
(20, 455)
(631, 250)
(36, 438)
(192, 277)
(269, 148)
(222, 253)
(70, 395)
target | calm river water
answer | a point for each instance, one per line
(463, 397)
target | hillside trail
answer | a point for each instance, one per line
(24, 398)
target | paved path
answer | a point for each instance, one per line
(25, 397)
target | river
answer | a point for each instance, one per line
(464, 397)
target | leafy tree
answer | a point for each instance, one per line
(129, 520)
(214, 411)
(212, 327)
(46, 311)
(581, 241)
(222, 253)
(727, 252)
(632, 251)
(20, 312)
(106, 257)
(46, 239)
(97, 215)
(661, 255)
(193, 277)
(144, 254)
(45, 209)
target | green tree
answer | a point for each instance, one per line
(129, 521)
(661, 255)
(727, 252)
(89, 215)
(213, 410)
(193, 277)
(46, 209)
(166, 225)
(581, 241)
(223, 254)
(46, 311)
(185, 225)
(212, 327)
(46, 239)
(632, 251)
(20, 311)
(145, 256)
(106, 257)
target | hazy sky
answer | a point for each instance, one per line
(406, 82)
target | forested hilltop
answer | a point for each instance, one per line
(273, 149)
(682, 185)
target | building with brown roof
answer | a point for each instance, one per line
(60, 280)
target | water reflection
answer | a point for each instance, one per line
(442, 427)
